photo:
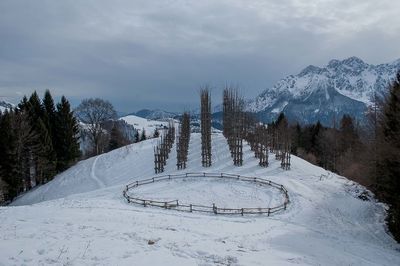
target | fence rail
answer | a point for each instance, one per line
(176, 205)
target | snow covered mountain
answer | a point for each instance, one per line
(324, 93)
(5, 105)
(81, 217)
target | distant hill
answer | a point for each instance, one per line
(156, 114)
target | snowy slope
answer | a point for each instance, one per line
(140, 123)
(81, 217)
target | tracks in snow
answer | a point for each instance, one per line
(93, 173)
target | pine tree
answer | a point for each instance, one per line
(137, 137)
(36, 110)
(46, 157)
(117, 140)
(66, 135)
(143, 135)
(50, 111)
(8, 162)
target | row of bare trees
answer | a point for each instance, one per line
(205, 127)
(163, 148)
(274, 137)
(183, 138)
(239, 125)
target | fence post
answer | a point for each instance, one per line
(165, 205)
(144, 203)
(269, 211)
(242, 211)
(191, 209)
(177, 203)
(214, 208)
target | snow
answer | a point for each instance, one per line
(139, 123)
(280, 108)
(81, 218)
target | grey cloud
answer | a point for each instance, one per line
(158, 53)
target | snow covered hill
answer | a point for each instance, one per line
(81, 217)
(140, 123)
(156, 114)
(319, 93)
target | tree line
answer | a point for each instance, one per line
(38, 139)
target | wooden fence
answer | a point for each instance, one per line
(176, 205)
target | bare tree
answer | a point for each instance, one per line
(94, 112)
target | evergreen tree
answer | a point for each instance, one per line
(50, 111)
(117, 140)
(8, 162)
(24, 104)
(36, 110)
(66, 135)
(46, 157)
(156, 133)
(143, 135)
(137, 137)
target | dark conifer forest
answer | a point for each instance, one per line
(37, 141)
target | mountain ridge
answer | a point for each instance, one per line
(316, 90)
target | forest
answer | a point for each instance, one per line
(39, 139)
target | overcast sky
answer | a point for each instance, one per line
(153, 53)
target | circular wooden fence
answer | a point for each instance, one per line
(176, 205)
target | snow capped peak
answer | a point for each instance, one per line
(311, 69)
(353, 61)
(351, 78)
(351, 64)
